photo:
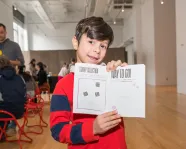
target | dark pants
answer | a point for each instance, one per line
(15, 110)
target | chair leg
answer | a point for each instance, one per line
(21, 133)
(42, 123)
(3, 131)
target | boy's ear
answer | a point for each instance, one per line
(75, 43)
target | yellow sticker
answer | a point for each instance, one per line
(1, 53)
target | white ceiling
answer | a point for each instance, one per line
(69, 11)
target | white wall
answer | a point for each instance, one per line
(129, 26)
(165, 42)
(43, 38)
(181, 45)
(147, 40)
(6, 17)
(140, 26)
(153, 27)
(130, 53)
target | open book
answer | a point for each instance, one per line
(97, 91)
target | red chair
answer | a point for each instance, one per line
(45, 88)
(33, 109)
(21, 129)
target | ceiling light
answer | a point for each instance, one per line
(162, 2)
(15, 8)
(122, 10)
(114, 22)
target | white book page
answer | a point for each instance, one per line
(96, 92)
(126, 91)
(89, 89)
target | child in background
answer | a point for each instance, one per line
(63, 72)
(71, 65)
(29, 80)
(82, 131)
(12, 94)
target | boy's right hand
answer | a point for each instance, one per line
(105, 122)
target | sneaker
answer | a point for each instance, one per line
(11, 132)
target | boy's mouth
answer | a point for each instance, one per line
(93, 58)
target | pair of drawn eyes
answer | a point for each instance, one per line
(96, 94)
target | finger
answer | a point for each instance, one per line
(112, 126)
(111, 118)
(108, 65)
(111, 123)
(117, 63)
(124, 64)
(107, 114)
(112, 65)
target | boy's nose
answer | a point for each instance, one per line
(97, 49)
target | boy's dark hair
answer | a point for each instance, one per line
(2, 25)
(4, 62)
(95, 28)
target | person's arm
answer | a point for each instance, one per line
(16, 62)
(60, 118)
(19, 56)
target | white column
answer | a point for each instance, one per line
(181, 45)
(6, 17)
(165, 42)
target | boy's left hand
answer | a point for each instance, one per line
(111, 66)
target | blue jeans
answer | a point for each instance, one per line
(12, 125)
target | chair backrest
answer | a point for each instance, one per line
(8, 116)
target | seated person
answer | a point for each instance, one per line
(42, 77)
(29, 80)
(12, 92)
(63, 72)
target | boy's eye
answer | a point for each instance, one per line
(104, 47)
(91, 42)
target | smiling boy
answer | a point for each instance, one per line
(81, 131)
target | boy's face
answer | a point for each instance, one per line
(90, 50)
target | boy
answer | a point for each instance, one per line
(91, 41)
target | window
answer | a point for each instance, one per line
(20, 35)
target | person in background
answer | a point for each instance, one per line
(64, 71)
(29, 80)
(45, 68)
(41, 75)
(72, 64)
(9, 48)
(32, 68)
(12, 93)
